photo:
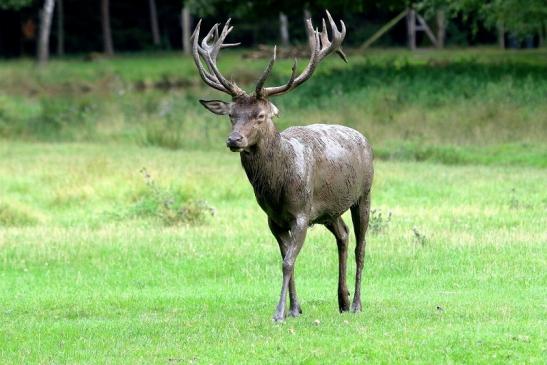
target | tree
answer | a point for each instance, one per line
(285, 9)
(108, 47)
(154, 22)
(46, 14)
(441, 27)
(519, 17)
(186, 25)
(60, 28)
(284, 29)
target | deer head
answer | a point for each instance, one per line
(251, 114)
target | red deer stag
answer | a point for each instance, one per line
(303, 175)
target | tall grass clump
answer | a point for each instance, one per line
(170, 206)
(16, 216)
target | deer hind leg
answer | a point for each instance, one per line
(360, 215)
(340, 232)
(283, 237)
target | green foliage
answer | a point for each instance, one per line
(258, 10)
(521, 17)
(201, 7)
(14, 4)
(451, 107)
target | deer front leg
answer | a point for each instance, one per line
(283, 237)
(297, 235)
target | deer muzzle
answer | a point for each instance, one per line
(236, 142)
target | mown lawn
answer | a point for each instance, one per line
(91, 271)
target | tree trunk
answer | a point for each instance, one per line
(108, 47)
(501, 35)
(411, 29)
(441, 28)
(46, 14)
(186, 31)
(60, 28)
(154, 22)
(284, 29)
(307, 15)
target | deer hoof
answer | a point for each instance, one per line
(278, 318)
(356, 307)
(343, 308)
(295, 312)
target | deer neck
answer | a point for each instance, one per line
(265, 166)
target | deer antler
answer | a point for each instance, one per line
(320, 47)
(209, 49)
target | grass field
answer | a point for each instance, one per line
(479, 106)
(129, 233)
(87, 275)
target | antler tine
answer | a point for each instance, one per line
(324, 35)
(206, 77)
(217, 44)
(265, 74)
(339, 50)
(196, 30)
(337, 39)
(210, 35)
(220, 39)
(320, 47)
(293, 75)
(209, 49)
(282, 89)
(314, 59)
(225, 33)
(308, 71)
(259, 86)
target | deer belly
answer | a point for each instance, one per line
(335, 192)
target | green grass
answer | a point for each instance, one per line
(128, 234)
(478, 106)
(90, 282)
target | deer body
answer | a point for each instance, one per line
(319, 171)
(303, 175)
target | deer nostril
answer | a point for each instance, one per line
(234, 138)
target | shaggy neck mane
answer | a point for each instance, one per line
(266, 166)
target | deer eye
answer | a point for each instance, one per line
(260, 116)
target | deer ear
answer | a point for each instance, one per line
(217, 106)
(274, 110)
